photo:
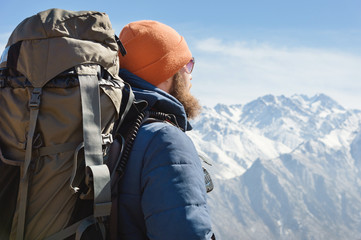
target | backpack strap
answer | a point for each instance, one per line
(78, 228)
(128, 105)
(93, 154)
(34, 104)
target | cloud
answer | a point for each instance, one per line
(237, 72)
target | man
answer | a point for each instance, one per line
(162, 194)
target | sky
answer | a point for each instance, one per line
(244, 49)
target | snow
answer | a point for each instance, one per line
(283, 168)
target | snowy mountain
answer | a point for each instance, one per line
(283, 168)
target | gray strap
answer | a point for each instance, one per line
(23, 192)
(102, 193)
(83, 226)
(72, 229)
(127, 107)
(78, 229)
(87, 223)
(90, 99)
(65, 233)
(34, 104)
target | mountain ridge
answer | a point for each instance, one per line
(284, 168)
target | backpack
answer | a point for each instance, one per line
(61, 102)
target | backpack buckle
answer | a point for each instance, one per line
(34, 101)
(107, 139)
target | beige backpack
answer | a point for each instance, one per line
(60, 96)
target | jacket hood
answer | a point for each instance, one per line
(157, 99)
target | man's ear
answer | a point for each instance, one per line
(166, 85)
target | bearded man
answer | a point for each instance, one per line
(162, 194)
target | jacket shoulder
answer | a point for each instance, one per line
(165, 137)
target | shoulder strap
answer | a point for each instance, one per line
(97, 173)
(90, 101)
(34, 104)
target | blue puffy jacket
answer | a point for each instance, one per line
(162, 193)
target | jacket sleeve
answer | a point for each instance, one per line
(173, 189)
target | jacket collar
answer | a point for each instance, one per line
(157, 99)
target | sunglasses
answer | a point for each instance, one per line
(189, 66)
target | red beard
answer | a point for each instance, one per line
(179, 91)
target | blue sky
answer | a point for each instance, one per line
(245, 49)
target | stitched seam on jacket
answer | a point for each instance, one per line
(158, 132)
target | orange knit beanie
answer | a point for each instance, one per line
(155, 51)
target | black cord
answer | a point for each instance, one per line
(129, 143)
(171, 118)
(158, 115)
(132, 134)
